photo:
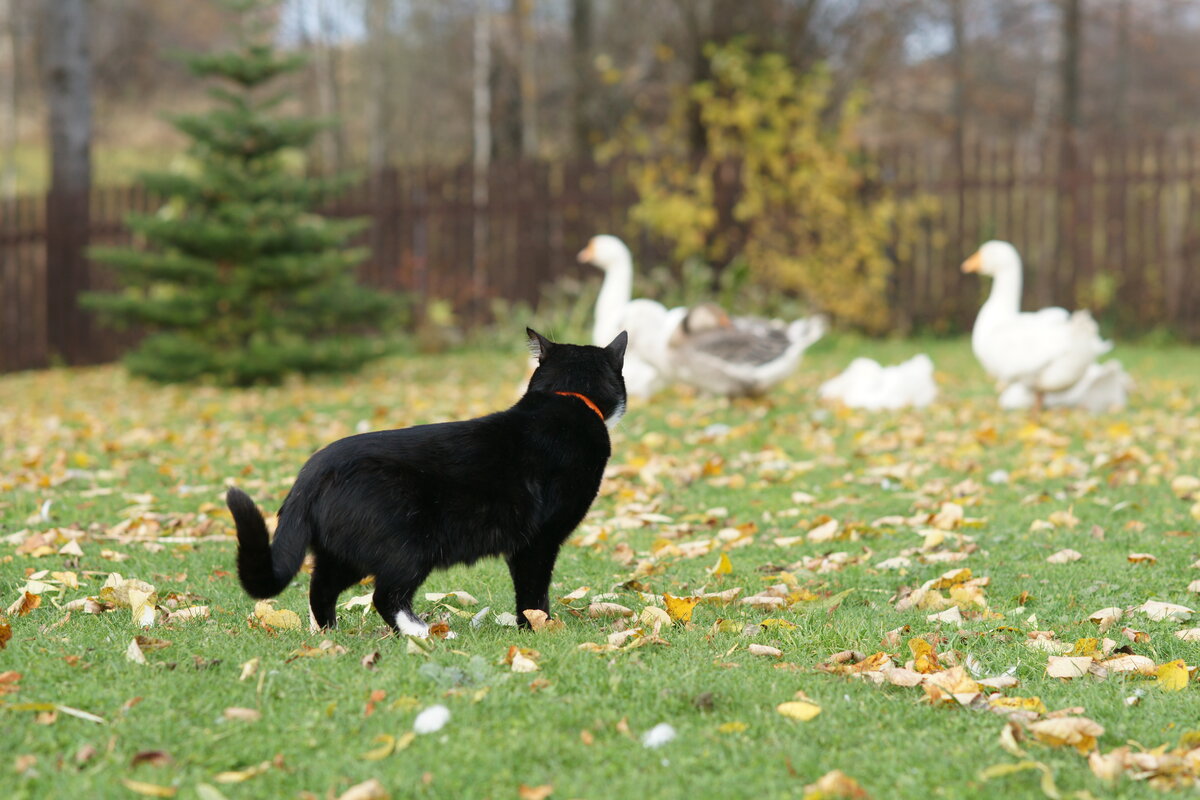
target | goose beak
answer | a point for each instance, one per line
(974, 263)
(585, 255)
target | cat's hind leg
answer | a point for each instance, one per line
(330, 578)
(393, 601)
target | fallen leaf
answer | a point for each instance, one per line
(1130, 663)
(155, 758)
(387, 745)
(249, 668)
(765, 650)
(680, 608)
(1078, 732)
(1157, 610)
(241, 714)
(799, 709)
(1068, 666)
(26, 603)
(134, 652)
(148, 789)
(242, 775)
(1142, 558)
(1064, 557)
(1172, 676)
(601, 610)
(723, 566)
(367, 790)
(535, 792)
(522, 663)
(267, 616)
(1189, 635)
(835, 784)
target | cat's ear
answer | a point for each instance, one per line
(616, 348)
(539, 345)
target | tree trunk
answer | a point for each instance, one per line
(482, 149)
(958, 26)
(1072, 32)
(1121, 67)
(67, 66)
(522, 10)
(8, 100)
(380, 108)
(329, 90)
(583, 86)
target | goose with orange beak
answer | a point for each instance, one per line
(1044, 351)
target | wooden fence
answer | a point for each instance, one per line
(1108, 225)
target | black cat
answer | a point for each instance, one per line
(398, 504)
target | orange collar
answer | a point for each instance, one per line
(586, 400)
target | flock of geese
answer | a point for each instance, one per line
(1042, 359)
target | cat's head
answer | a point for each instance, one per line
(594, 372)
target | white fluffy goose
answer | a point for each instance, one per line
(1044, 351)
(648, 323)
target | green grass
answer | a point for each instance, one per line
(90, 440)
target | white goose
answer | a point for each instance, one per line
(1044, 351)
(869, 385)
(648, 323)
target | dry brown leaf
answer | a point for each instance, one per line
(765, 650)
(1142, 558)
(535, 792)
(1078, 732)
(1064, 557)
(242, 775)
(1130, 663)
(835, 784)
(148, 789)
(1068, 666)
(601, 610)
(242, 714)
(367, 790)
(1157, 611)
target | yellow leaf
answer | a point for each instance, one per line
(799, 709)
(1173, 676)
(386, 747)
(1079, 732)
(777, 623)
(925, 660)
(680, 608)
(732, 727)
(277, 618)
(148, 789)
(1019, 703)
(238, 776)
(724, 566)
(1085, 647)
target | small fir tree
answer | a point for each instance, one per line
(240, 281)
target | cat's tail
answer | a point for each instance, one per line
(265, 568)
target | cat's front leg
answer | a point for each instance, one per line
(531, 568)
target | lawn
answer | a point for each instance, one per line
(841, 517)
